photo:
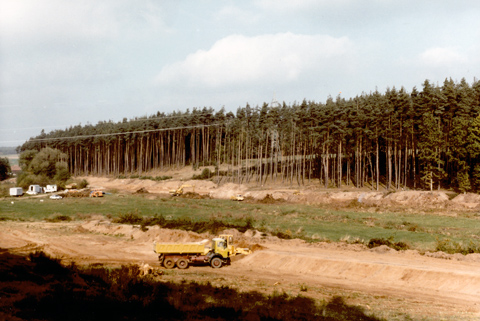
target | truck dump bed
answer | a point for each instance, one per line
(182, 248)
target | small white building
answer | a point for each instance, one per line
(16, 191)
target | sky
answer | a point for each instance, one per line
(65, 63)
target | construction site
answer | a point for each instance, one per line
(388, 283)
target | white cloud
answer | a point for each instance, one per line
(27, 21)
(442, 56)
(240, 60)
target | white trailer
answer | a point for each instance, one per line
(51, 189)
(16, 191)
(34, 190)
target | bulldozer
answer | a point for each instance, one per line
(179, 191)
(96, 193)
(238, 197)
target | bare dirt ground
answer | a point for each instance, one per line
(390, 284)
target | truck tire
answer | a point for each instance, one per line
(182, 264)
(216, 263)
(169, 263)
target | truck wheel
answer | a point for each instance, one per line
(169, 263)
(216, 263)
(182, 264)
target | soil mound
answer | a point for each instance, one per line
(77, 194)
(418, 197)
(142, 190)
(268, 199)
(192, 195)
(469, 200)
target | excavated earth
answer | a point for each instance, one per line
(400, 285)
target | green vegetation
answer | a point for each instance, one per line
(394, 245)
(427, 138)
(206, 174)
(5, 168)
(40, 288)
(144, 177)
(212, 225)
(312, 223)
(43, 167)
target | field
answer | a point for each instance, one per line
(310, 243)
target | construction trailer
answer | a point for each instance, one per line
(51, 188)
(16, 191)
(34, 190)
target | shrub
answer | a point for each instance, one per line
(97, 293)
(451, 247)
(156, 178)
(213, 225)
(399, 246)
(206, 174)
(82, 184)
(58, 218)
(5, 190)
(129, 218)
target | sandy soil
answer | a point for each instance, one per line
(419, 201)
(395, 285)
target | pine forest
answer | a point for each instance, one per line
(419, 139)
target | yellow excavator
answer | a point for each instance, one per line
(179, 191)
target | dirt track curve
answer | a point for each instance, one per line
(405, 280)
(389, 283)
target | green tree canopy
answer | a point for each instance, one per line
(46, 166)
(4, 168)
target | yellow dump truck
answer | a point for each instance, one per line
(216, 254)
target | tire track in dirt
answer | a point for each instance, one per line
(378, 272)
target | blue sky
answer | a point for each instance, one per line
(66, 63)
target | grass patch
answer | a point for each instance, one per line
(187, 224)
(311, 223)
(450, 246)
(145, 177)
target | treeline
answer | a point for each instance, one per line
(428, 138)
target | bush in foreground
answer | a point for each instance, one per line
(40, 288)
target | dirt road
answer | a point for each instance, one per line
(390, 284)
(387, 282)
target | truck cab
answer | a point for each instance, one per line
(219, 254)
(219, 246)
(232, 250)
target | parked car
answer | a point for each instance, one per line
(56, 197)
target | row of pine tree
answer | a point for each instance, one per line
(422, 139)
